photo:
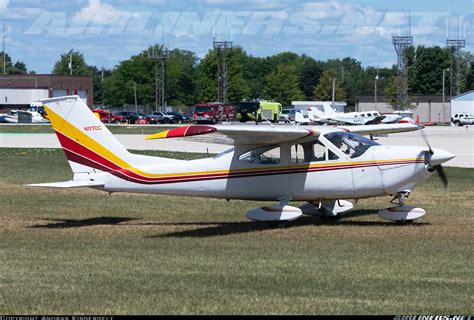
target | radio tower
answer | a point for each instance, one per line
(455, 45)
(160, 57)
(222, 48)
(401, 44)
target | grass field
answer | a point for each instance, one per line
(84, 251)
(115, 129)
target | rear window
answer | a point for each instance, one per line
(202, 109)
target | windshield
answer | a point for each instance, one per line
(202, 109)
(247, 107)
(349, 143)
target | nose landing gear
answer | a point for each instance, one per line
(401, 213)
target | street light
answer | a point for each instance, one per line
(376, 78)
(444, 111)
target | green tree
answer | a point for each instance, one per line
(282, 85)
(137, 71)
(427, 69)
(181, 84)
(81, 68)
(391, 91)
(309, 76)
(470, 77)
(12, 68)
(79, 65)
(206, 73)
(323, 90)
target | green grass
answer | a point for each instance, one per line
(84, 251)
(115, 129)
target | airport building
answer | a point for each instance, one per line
(430, 108)
(463, 103)
(20, 90)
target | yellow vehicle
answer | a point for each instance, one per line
(258, 111)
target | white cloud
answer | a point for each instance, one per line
(4, 5)
(333, 9)
(101, 13)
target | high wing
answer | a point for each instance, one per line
(265, 134)
(240, 134)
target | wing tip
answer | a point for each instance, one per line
(184, 131)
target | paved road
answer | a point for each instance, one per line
(457, 140)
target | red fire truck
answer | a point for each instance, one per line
(107, 116)
(213, 112)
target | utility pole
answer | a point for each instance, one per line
(4, 48)
(135, 93)
(444, 110)
(333, 91)
(376, 78)
(70, 63)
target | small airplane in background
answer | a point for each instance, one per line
(14, 115)
(322, 165)
(328, 115)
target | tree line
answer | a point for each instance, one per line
(282, 77)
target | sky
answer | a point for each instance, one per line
(110, 31)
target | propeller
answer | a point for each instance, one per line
(438, 168)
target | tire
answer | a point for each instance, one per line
(166, 121)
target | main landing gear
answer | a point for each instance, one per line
(401, 213)
(327, 209)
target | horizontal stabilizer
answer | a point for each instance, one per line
(68, 184)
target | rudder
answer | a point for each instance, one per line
(88, 144)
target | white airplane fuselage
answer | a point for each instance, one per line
(380, 171)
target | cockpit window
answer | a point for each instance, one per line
(349, 143)
(262, 155)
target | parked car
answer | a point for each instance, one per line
(178, 117)
(461, 119)
(129, 116)
(142, 119)
(285, 115)
(162, 117)
(152, 118)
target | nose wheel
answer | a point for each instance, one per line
(401, 214)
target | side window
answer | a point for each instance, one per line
(262, 155)
(308, 152)
(319, 152)
(297, 153)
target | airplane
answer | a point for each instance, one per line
(328, 115)
(13, 115)
(321, 165)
